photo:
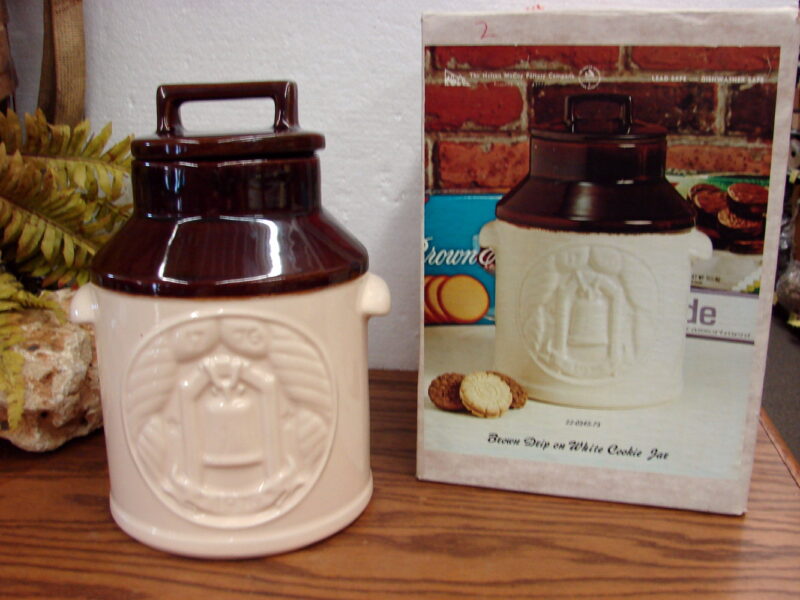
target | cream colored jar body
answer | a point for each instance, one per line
(592, 320)
(235, 427)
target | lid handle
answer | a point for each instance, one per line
(169, 99)
(578, 124)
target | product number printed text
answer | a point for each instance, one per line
(581, 423)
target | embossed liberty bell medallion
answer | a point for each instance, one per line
(593, 262)
(231, 315)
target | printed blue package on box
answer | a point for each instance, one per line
(450, 245)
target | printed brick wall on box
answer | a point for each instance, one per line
(481, 102)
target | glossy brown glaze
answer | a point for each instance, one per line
(642, 207)
(598, 172)
(227, 215)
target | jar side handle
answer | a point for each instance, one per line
(83, 308)
(487, 238)
(700, 247)
(374, 299)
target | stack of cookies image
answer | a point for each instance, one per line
(454, 299)
(485, 394)
(733, 218)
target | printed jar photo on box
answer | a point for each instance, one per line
(593, 244)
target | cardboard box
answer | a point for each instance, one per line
(721, 83)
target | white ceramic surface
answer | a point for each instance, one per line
(235, 427)
(592, 320)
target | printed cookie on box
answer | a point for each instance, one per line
(597, 223)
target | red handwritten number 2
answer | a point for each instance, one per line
(485, 33)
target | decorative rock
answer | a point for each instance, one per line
(62, 399)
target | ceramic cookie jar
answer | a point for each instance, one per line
(230, 315)
(593, 258)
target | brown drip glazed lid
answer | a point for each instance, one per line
(222, 215)
(171, 142)
(598, 170)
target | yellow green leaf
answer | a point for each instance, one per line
(95, 146)
(68, 251)
(79, 134)
(78, 174)
(51, 243)
(103, 180)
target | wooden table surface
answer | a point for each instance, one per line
(415, 539)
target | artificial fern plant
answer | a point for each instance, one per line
(61, 194)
